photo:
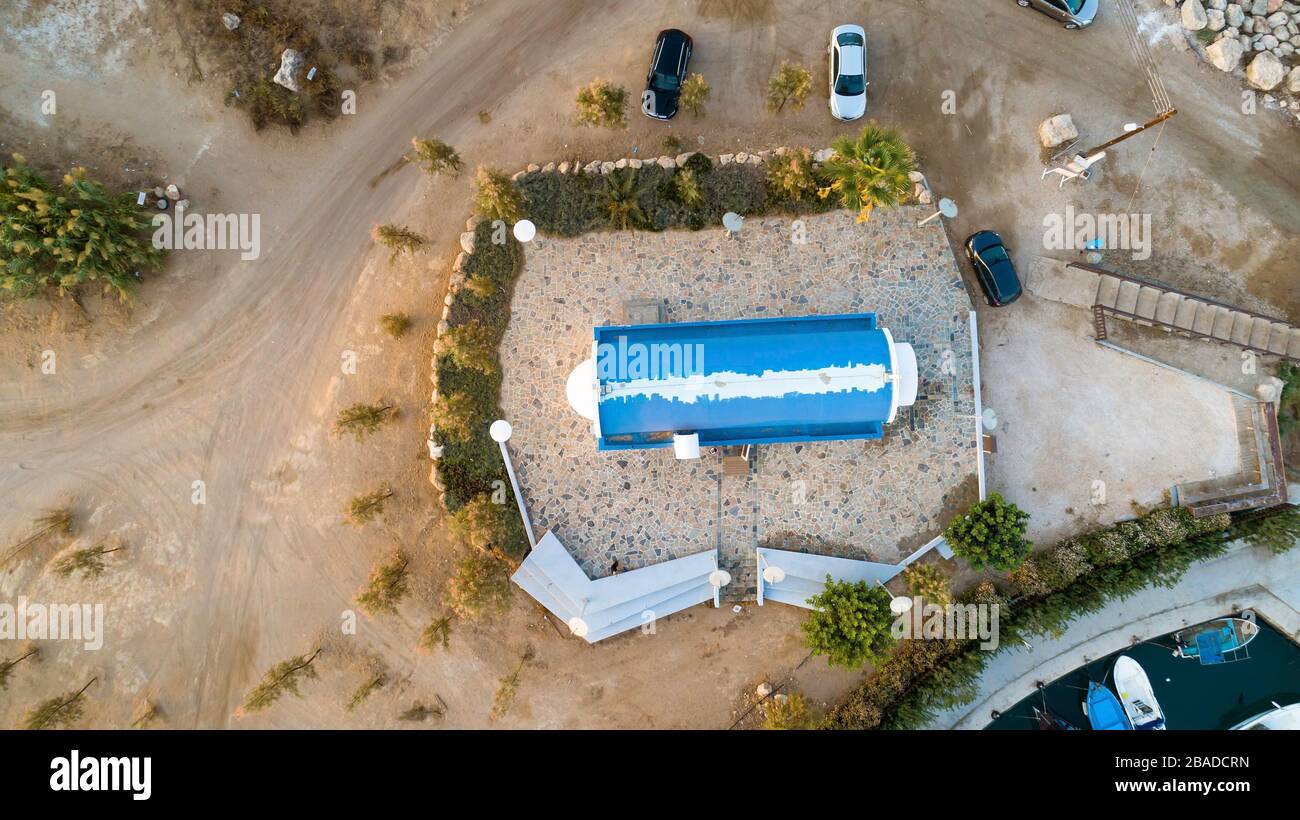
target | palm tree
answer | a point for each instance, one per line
(621, 200)
(870, 171)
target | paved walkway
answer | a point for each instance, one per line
(1245, 578)
(856, 499)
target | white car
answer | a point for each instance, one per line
(848, 50)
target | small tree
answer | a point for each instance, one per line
(508, 687)
(51, 522)
(602, 103)
(788, 712)
(1277, 530)
(362, 419)
(89, 562)
(63, 710)
(470, 345)
(480, 586)
(790, 176)
(481, 286)
(850, 623)
(491, 527)
(686, 188)
(790, 84)
(387, 586)
(7, 665)
(991, 534)
(621, 200)
(694, 93)
(434, 156)
(395, 324)
(869, 172)
(373, 683)
(456, 414)
(282, 678)
(397, 238)
(495, 195)
(436, 634)
(927, 581)
(364, 508)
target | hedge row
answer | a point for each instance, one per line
(470, 468)
(1053, 587)
(571, 204)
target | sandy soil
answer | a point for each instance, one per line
(229, 372)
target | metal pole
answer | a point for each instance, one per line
(519, 495)
(1132, 133)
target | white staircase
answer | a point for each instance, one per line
(803, 575)
(620, 602)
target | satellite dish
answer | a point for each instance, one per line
(989, 418)
(578, 627)
(900, 605)
(773, 575)
(525, 230)
(719, 578)
(733, 221)
(500, 431)
(948, 208)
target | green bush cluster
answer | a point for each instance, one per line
(1048, 591)
(59, 237)
(574, 204)
(471, 460)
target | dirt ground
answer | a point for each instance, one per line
(229, 372)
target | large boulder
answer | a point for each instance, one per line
(291, 63)
(1293, 80)
(1265, 72)
(1234, 15)
(1225, 54)
(1214, 20)
(230, 20)
(1193, 14)
(1058, 130)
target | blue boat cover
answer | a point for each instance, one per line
(1104, 710)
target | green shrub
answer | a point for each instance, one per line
(694, 93)
(55, 239)
(1288, 405)
(869, 172)
(921, 678)
(395, 324)
(1276, 530)
(495, 195)
(602, 103)
(850, 623)
(788, 86)
(991, 534)
(479, 587)
(790, 177)
(928, 582)
(790, 712)
(490, 527)
(470, 346)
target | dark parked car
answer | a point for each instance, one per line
(993, 268)
(1075, 14)
(667, 73)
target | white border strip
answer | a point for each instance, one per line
(979, 401)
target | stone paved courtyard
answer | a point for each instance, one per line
(857, 499)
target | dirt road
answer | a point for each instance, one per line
(229, 372)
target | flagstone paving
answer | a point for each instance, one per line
(856, 499)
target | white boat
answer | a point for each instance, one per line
(1279, 717)
(1135, 693)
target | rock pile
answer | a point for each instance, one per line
(1257, 39)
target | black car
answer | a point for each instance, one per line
(993, 268)
(667, 73)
